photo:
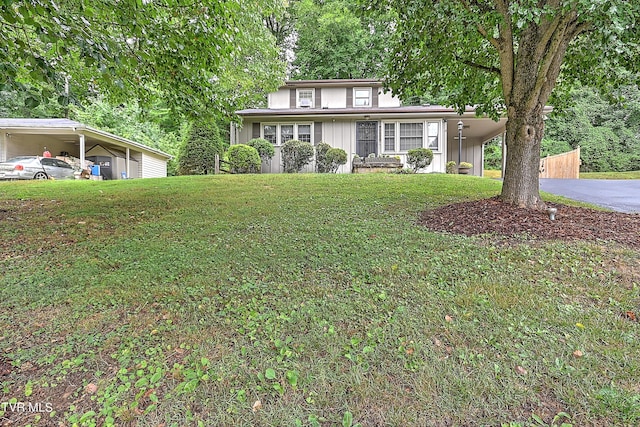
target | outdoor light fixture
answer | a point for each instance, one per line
(552, 213)
(460, 126)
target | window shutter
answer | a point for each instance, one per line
(349, 97)
(255, 132)
(317, 132)
(374, 97)
(318, 98)
(293, 98)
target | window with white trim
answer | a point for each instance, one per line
(270, 133)
(432, 135)
(389, 137)
(362, 97)
(304, 133)
(286, 133)
(279, 133)
(411, 136)
(305, 98)
(403, 136)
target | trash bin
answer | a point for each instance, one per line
(95, 170)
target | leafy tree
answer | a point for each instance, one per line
(129, 121)
(607, 130)
(419, 158)
(197, 154)
(201, 57)
(333, 41)
(506, 56)
(296, 155)
(243, 159)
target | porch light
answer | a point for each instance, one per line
(460, 126)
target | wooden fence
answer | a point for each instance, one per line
(565, 165)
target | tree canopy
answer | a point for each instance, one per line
(333, 40)
(201, 57)
(505, 57)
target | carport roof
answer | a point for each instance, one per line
(72, 127)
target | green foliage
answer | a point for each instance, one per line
(606, 130)
(197, 154)
(322, 163)
(243, 159)
(506, 58)
(264, 147)
(419, 158)
(335, 158)
(493, 154)
(333, 41)
(463, 59)
(201, 58)
(131, 122)
(451, 167)
(296, 155)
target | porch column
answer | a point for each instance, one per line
(128, 157)
(3, 148)
(82, 150)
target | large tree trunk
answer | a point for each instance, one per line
(521, 177)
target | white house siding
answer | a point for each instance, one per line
(471, 153)
(152, 167)
(387, 99)
(334, 97)
(279, 99)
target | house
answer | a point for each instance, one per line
(362, 119)
(117, 156)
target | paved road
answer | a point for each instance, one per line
(619, 195)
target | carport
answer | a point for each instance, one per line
(68, 138)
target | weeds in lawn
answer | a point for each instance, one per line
(302, 300)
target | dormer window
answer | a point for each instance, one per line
(305, 98)
(362, 97)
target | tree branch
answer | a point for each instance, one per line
(494, 42)
(490, 69)
(506, 50)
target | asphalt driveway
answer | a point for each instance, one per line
(619, 195)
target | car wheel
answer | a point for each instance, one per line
(40, 175)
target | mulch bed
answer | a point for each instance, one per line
(491, 216)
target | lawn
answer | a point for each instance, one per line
(302, 300)
(610, 175)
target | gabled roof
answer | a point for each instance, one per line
(72, 127)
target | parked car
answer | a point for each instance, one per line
(35, 167)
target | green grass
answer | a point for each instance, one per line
(610, 175)
(187, 300)
(583, 175)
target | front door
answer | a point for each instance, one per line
(366, 138)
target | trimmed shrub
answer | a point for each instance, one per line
(322, 165)
(243, 159)
(296, 155)
(264, 147)
(419, 158)
(335, 157)
(198, 152)
(451, 167)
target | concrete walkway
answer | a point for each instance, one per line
(622, 195)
